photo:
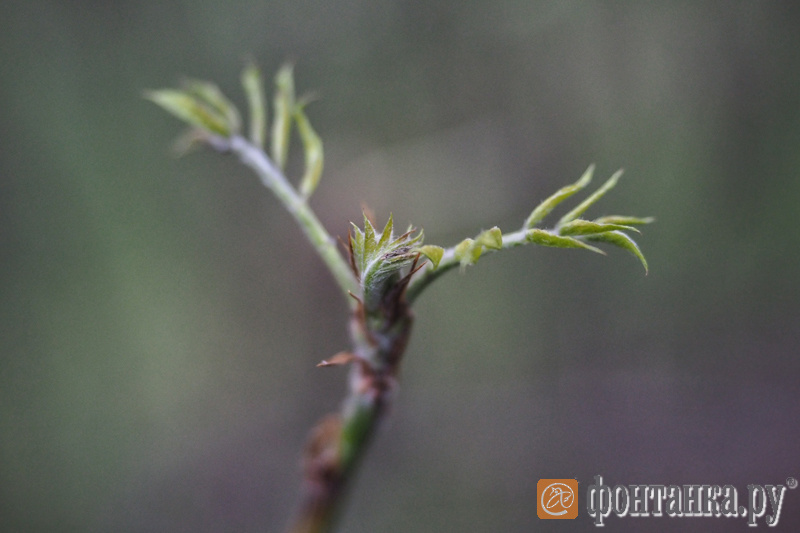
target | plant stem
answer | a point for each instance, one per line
(274, 180)
(381, 279)
(328, 477)
(339, 442)
(448, 261)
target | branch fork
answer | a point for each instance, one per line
(382, 275)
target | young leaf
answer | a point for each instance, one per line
(189, 109)
(388, 229)
(312, 147)
(545, 238)
(491, 239)
(253, 85)
(544, 208)
(282, 123)
(209, 94)
(433, 253)
(370, 244)
(468, 252)
(617, 238)
(628, 221)
(357, 247)
(586, 204)
(584, 227)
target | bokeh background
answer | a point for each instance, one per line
(161, 317)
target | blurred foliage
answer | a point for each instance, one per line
(156, 370)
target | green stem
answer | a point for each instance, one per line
(324, 499)
(328, 477)
(274, 180)
(332, 460)
(448, 261)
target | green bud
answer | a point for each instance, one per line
(380, 261)
(372, 252)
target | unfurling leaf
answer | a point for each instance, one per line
(283, 104)
(491, 239)
(584, 227)
(209, 94)
(617, 238)
(433, 253)
(586, 204)
(190, 109)
(253, 85)
(544, 208)
(312, 147)
(545, 238)
(468, 252)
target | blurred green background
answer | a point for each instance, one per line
(161, 317)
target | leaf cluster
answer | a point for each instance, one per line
(212, 116)
(570, 231)
(378, 259)
(384, 275)
(574, 232)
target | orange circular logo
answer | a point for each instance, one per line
(557, 498)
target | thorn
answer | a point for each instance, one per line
(405, 235)
(402, 285)
(414, 267)
(341, 358)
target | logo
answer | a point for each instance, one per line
(689, 500)
(557, 498)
